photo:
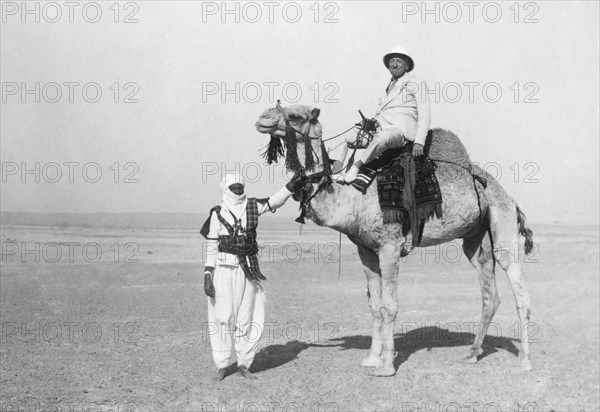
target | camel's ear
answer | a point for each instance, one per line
(314, 115)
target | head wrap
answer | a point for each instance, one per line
(236, 204)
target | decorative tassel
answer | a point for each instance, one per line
(274, 151)
(392, 216)
(406, 225)
(429, 211)
(309, 160)
(325, 160)
(291, 160)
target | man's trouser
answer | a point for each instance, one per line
(238, 311)
(382, 140)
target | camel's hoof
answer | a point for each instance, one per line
(371, 362)
(526, 364)
(383, 371)
(467, 359)
(471, 356)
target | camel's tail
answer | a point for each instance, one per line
(525, 231)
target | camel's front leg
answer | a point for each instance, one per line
(370, 262)
(388, 262)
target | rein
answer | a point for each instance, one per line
(340, 134)
(305, 135)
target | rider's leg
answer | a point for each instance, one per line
(383, 140)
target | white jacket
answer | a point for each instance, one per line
(407, 108)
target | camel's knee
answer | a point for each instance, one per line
(374, 302)
(505, 257)
(491, 301)
(388, 312)
(491, 308)
(376, 312)
(515, 276)
(522, 300)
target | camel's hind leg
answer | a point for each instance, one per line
(370, 262)
(477, 250)
(504, 227)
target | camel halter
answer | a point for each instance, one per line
(321, 179)
(292, 162)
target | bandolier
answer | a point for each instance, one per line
(241, 241)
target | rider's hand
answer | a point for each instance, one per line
(417, 150)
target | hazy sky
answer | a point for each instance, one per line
(540, 136)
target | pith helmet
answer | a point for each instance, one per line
(402, 52)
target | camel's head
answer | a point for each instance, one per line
(299, 128)
(300, 117)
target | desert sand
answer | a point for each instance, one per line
(127, 330)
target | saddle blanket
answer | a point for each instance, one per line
(408, 190)
(409, 187)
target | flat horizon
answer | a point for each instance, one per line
(173, 220)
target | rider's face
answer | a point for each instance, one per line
(237, 188)
(397, 66)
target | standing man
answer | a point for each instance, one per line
(236, 298)
(403, 113)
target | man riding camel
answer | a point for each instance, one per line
(403, 114)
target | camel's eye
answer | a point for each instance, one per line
(295, 117)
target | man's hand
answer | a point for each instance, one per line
(296, 182)
(209, 288)
(417, 150)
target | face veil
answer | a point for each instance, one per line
(236, 204)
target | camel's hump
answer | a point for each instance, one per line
(444, 145)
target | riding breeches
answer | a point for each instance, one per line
(382, 140)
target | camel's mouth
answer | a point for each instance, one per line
(264, 126)
(269, 127)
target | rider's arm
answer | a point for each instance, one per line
(423, 112)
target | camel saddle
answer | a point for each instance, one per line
(408, 190)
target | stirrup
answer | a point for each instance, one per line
(366, 129)
(362, 141)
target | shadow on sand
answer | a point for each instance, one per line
(406, 344)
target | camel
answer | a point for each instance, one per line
(486, 218)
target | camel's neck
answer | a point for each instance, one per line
(335, 206)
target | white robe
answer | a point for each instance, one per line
(237, 312)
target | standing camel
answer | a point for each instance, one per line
(486, 218)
